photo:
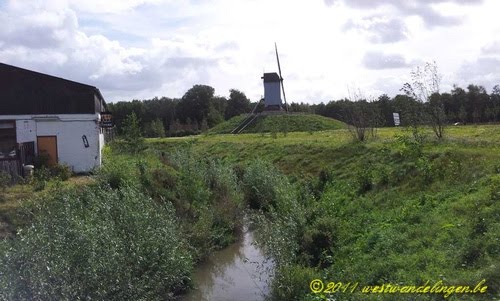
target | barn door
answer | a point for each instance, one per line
(47, 146)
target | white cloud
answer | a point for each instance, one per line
(380, 29)
(421, 8)
(378, 60)
(146, 48)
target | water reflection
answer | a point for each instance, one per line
(238, 272)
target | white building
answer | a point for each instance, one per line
(43, 115)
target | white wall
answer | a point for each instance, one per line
(69, 130)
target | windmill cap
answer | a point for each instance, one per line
(271, 77)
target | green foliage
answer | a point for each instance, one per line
(206, 195)
(99, 244)
(292, 282)
(41, 160)
(319, 241)
(41, 177)
(264, 187)
(409, 146)
(155, 128)
(364, 179)
(118, 171)
(132, 135)
(237, 104)
(196, 103)
(494, 188)
(61, 171)
(281, 123)
(4, 180)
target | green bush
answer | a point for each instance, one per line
(61, 171)
(97, 244)
(4, 180)
(263, 186)
(207, 198)
(363, 179)
(40, 178)
(494, 188)
(41, 160)
(319, 241)
(409, 146)
(118, 172)
(292, 282)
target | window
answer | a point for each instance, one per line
(7, 139)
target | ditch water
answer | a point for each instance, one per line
(238, 272)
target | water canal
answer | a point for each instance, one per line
(238, 272)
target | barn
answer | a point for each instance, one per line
(46, 116)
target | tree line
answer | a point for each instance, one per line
(200, 109)
(197, 110)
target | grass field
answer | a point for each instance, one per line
(310, 152)
(280, 123)
(389, 210)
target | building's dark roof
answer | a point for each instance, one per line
(271, 77)
(25, 92)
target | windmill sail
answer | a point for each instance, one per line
(281, 77)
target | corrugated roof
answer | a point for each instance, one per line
(28, 92)
(271, 77)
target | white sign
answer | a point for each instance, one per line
(396, 118)
(25, 131)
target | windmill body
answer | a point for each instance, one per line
(272, 92)
(273, 87)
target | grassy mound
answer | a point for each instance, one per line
(280, 123)
(392, 210)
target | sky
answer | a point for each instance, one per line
(140, 49)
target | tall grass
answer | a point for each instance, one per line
(96, 244)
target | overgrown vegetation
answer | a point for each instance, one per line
(393, 209)
(133, 234)
(99, 244)
(200, 109)
(280, 124)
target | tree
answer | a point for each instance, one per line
(361, 116)
(459, 97)
(495, 102)
(195, 104)
(132, 133)
(155, 128)
(216, 111)
(425, 82)
(385, 106)
(237, 104)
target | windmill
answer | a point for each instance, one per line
(273, 86)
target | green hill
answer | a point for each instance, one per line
(280, 123)
(390, 210)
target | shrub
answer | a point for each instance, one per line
(262, 185)
(494, 188)
(119, 172)
(318, 242)
(292, 282)
(4, 180)
(364, 179)
(61, 171)
(41, 160)
(409, 146)
(99, 244)
(206, 195)
(40, 178)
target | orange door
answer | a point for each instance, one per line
(47, 146)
